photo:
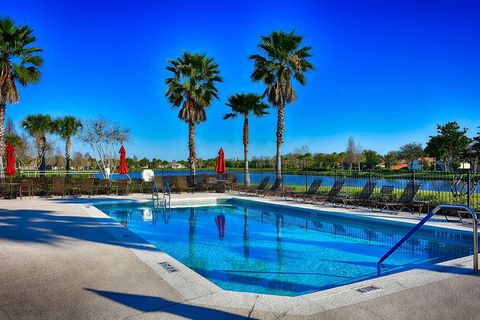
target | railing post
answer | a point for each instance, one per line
(475, 245)
(306, 180)
(468, 188)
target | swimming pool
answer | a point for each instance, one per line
(250, 246)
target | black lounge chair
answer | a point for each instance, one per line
(136, 185)
(182, 185)
(406, 200)
(276, 189)
(385, 195)
(309, 194)
(262, 186)
(363, 197)
(104, 186)
(122, 187)
(332, 195)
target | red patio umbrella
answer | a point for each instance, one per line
(220, 222)
(221, 167)
(122, 169)
(10, 170)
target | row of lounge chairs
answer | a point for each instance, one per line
(62, 186)
(383, 200)
(216, 183)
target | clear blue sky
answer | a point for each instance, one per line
(386, 71)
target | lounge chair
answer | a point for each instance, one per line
(406, 200)
(182, 184)
(104, 186)
(274, 190)
(86, 186)
(26, 186)
(332, 194)
(309, 194)
(230, 181)
(158, 183)
(136, 185)
(363, 197)
(263, 184)
(58, 187)
(122, 187)
(385, 195)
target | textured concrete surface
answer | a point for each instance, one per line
(58, 262)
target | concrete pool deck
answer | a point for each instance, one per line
(58, 260)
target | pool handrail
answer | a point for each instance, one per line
(425, 219)
(166, 192)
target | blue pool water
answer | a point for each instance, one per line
(246, 246)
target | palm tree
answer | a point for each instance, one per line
(282, 61)
(38, 126)
(67, 127)
(19, 62)
(244, 104)
(192, 89)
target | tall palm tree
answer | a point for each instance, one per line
(192, 89)
(244, 104)
(19, 62)
(38, 126)
(67, 127)
(281, 61)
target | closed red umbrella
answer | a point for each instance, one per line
(221, 167)
(122, 169)
(10, 170)
(220, 222)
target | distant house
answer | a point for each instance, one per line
(176, 165)
(399, 166)
(413, 165)
(444, 166)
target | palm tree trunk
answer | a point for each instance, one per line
(280, 129)
(43, 150)
(68, 151)
(245, 153)
(191, 147)
(3, 108)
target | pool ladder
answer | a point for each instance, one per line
(166, 195)
(425, 219)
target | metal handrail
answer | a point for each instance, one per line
(424, 220)
(166, 192)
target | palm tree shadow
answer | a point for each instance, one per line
(150, 303)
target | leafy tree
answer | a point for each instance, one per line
(372, 159)
(281, 60)
(391, 158)
(303, 155)
(411, 152)
(450, 144)
(192, 88)
(67, 127)
(38, 126)
(474, 151)
(245, 104)
(143, 163)
(19, 64)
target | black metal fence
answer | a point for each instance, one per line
(436, 187)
